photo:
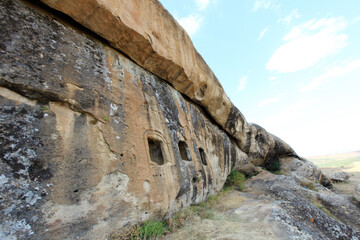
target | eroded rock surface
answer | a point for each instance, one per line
(93, 141)
(150, 36)
(90, 141)
(276, 207)
(356, 194)
(339, 176)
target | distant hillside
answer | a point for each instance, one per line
(336, 160)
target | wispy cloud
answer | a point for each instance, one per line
(308, 43)
(333, 72)
(261, 4)
(355, 20)
(191, 23)
(266, 4)
(242, 83)
(272, 78)
(289, 18)
(263, 33)
(270, 100)
(202, 4)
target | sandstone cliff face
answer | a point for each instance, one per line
(151, 37)
(95, 137)
(90, 141)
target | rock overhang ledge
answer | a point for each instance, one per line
(147, 33)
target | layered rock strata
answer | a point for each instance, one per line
(93, 139)
(90, 141)
(147, 33)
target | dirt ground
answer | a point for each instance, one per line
(349, 187)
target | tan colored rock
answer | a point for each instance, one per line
(91, 142)
(147, 33)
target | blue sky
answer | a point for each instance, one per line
(292, 67)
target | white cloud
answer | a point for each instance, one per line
(242, 83)
(334, 72)
(266, 4)
(263, 33)
(272, 78)
(270, 100)
(310, 131)
(202, 4)
(355, 20)
(261, 4)
(191, 23)
(288, 19)
(308, 43)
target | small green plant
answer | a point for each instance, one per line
(236, 179)
(274, 166)
(323, 209)
(152, 229)
(44, 108)
(203, 210)
(312, 187)
(106, 118)
(179, 219)
(213, 198)
(227, 188)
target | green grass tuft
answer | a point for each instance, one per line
(312, 187)
(236, 179)
(152, 229)
(274, 167)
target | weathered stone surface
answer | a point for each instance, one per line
(151, 37)
(339, 176)
(356, 194)
(306, 169)
(276, 207)
(90, 141)
(304, 213)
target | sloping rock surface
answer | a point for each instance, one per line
(276, 207)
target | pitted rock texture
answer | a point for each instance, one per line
(150, 36)
(339, 176)
(356, 193)
(90, 141)
(304, 212)
(275, 207)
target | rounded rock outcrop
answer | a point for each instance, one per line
(356, 193)
(339, 176)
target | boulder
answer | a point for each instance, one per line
(356, 194)
(304, 168)
(339, 176)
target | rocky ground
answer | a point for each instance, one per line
(273, 206)
(346, 188)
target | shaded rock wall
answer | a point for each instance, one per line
(146, 32)
(90, 141)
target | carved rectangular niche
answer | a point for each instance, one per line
(157, 148)
(203, 156)
(184, 151)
